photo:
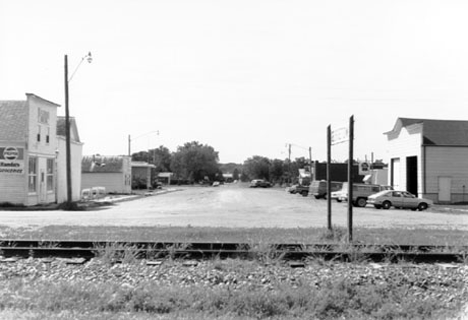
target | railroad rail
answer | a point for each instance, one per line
(202, 250)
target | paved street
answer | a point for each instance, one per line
(235, 206)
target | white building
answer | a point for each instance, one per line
(114, 173)
(429, 158)
(32, 153)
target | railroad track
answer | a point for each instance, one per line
(202, 250)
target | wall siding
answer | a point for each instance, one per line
(113, 182)
(13, 188)
(447, 162)
(406, 144)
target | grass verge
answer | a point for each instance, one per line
(188, 234)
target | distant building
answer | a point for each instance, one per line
(141, 175)
(32, 153)
(114, 173)
(429, 158)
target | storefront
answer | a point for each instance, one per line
(29, 152)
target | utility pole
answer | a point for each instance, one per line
(289, 163)
(67, 137)
(329, 209)
(350, 180)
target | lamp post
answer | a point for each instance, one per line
(130, 139)
(67, 125)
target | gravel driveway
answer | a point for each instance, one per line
(236, 206)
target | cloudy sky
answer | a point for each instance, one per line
(246, 77)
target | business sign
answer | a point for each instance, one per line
(364, 168)
(11, 160)
(339, 135)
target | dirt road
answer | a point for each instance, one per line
(234, 206)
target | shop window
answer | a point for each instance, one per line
(50, 174)
(32, 174)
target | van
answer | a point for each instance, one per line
(319, 189)
(360, 192)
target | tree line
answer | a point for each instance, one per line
(194, 162)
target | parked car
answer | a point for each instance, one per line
(361, 192)
(338, 195)
(398, 199)
(259, 183)
(292, 189)
(319, 189)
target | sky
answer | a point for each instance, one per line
(245, 77)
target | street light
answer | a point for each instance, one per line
(67, 124)
(130, 139)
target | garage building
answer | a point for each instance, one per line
(429, 158)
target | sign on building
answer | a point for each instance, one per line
(11, 160)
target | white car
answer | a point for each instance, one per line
(398, 199)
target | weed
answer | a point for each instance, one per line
(117, 252)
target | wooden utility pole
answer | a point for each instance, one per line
(329, 209)
(289, 163)
(350, 180)
(67, 137)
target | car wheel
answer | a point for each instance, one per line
(304, 193)
(422, 206)
(317, 197)
(386, 205)
(377, 206)
(338, 200)
(361, 202)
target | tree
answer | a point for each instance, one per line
(161, 158)
(235, 174)
(257, 167)
(277, 170)
(194, 161)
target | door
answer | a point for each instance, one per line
(445, 186)
(412, 175)
(42, 188)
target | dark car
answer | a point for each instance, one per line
(259, 183)
(319, 189)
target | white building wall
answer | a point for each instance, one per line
(447, 162)
(114, 182)
(42, 122)
(13, 186)
(400, 146)
(76, 155)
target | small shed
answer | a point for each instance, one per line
(111, 172)
(141, 174)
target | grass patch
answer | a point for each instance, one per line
(255, 235)
(338, 298)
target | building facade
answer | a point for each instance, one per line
(114, 173)
(31, 165)
(428, 158)
(141, 175)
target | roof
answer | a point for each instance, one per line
(73, 128)
(14, 115)
(107, 164)
(142, 164)
(32, 95)
(437, 132)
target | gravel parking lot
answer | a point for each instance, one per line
(236, 205)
